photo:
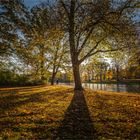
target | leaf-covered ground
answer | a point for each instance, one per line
(56, 112)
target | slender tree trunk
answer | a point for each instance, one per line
(117, 73)
(42, 62)
(42, 70)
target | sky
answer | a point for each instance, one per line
(31, 3)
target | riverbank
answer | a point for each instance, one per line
(42, 112)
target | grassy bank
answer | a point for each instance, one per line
(55, 112)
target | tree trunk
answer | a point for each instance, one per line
(42, 71)
(117, 73)
(53, 78)
(77, 78)
(74, 55)
(42, 62)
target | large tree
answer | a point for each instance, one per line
(95, 26)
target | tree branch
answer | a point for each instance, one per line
(64, 6)
(88, 35)
(90, 52)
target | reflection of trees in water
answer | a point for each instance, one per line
(133, 88)
(114, 87)
(117, 87)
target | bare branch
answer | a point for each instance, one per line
(90, 52)
(64, 6)
(86, 38)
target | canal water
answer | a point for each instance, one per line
(113, 87)
(134, 88)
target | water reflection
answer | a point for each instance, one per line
(113, 87)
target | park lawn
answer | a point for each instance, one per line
(38, 112)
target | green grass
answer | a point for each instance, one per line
(56, 112)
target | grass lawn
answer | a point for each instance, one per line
(56, 112)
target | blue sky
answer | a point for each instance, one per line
(31, 3)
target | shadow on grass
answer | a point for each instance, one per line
(30, 121)
(77, 123)
(15, 100)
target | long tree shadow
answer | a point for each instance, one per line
(77, 123)
(12, 101)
